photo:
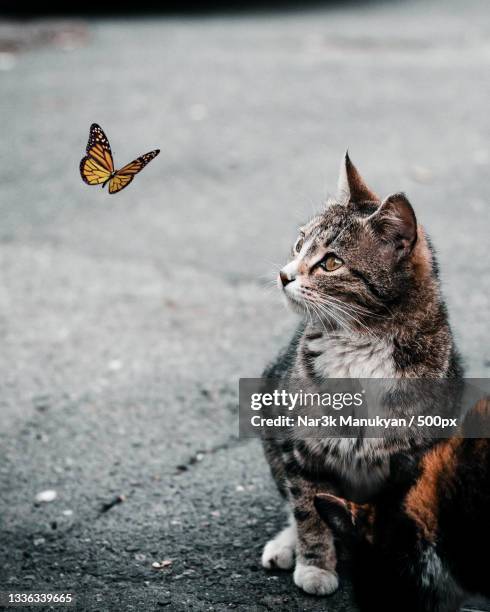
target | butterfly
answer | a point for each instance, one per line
(98, 166)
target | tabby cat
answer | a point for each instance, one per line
(364, 278)
(422, 545)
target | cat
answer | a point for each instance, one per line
(364, 277)
(422, 546)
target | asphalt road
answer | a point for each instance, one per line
(126, 321)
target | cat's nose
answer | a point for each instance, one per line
(284, 278)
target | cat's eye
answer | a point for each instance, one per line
(298, 245)
(331, 263)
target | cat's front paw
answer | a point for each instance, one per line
(279, 552)
(314, 580)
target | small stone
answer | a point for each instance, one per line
(161, 564)
(132, 548)
(38, 541)
(44, 497)
(118, 499)
(67, 512)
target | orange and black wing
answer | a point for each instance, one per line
(97, 166)
(126, 174)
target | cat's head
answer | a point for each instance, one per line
(356, 257)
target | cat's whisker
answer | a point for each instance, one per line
(309, 312)
(345, 308)
(327, 307)
(346, 312)
(356, 308)
(266, 276)
(306, 306)
(356, 320)
(361, 310)
(274, 264)
(342, 312)
(328, 311)
(271, 282)
(268, 288)
(342, 322)
(318, 315)
(320, 318)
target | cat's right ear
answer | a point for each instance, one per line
(395, 223)
(335, 512)
(351, 186)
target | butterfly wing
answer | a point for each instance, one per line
(97, 166)
(126, 174)
(119, 181)
(92, 172)
(99, 149)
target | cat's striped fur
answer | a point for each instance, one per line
(422, 545)
(379, 314)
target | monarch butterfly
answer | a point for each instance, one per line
(98, 166)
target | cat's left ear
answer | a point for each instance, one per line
(351, 186)
(395, 223)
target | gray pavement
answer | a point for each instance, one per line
(126, 321)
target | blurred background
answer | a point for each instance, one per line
(127, 320)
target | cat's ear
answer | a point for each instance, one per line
(335, 512)
(351, 186)
(395, 223)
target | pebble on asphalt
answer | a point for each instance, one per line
(44, 497)
(161, 564)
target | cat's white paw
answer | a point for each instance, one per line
(279, 552)
(314, 580)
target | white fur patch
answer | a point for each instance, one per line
(279, 552)
(433, 573)
(314, 580)
(353, 356)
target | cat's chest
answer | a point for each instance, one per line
(345, 356)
